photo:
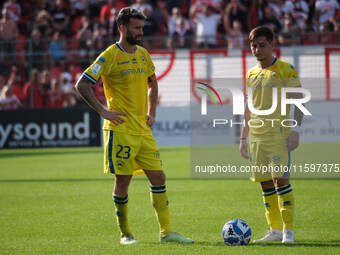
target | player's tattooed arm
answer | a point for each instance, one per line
(298, 114)
(153, 98)
(244, 134)
(294, 136)
(83, 86)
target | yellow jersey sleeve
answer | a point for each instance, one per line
(101, 66)
(151, 66)
(291, 76)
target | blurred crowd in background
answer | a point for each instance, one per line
(46, 44)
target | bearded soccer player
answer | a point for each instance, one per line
(270, 143)
(131, 92)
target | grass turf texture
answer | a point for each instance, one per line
(58, 201)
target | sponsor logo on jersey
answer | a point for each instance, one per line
(120, 164)
(156, 154)
(285, 203)
(277, 159)
(134, 61)
(142, 58)
(95, 69)
(102, 60)
(123, 63)
(133, 71)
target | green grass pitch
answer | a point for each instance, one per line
(58, 201)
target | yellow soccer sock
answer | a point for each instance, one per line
(272, 209)
(121, 206)
(160, 203)
(286, 204)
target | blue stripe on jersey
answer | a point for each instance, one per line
(274, 60)
(112, 169)
(90, 78)
(119, 47)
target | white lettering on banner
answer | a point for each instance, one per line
(36, 131)
(53, 131)
(18, 133)
(33, 131)
(4, 134)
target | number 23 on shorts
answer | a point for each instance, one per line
(124, 152)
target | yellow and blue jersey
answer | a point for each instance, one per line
(125, 82)
(262, 81)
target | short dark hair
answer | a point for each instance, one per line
(126, 14)
(262, 31)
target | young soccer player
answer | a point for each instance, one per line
(270, 144)
(128, 75)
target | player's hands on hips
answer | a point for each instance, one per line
(113, 117)
(150, 120)
(293, 140)
(243, 148)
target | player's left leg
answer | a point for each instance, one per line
(159, 199)
(160, 203)
(149, 160)
(286, 203)
(284, 190)
(270, 200)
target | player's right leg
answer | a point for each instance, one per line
(120, 199)
(270, 200)
(119, 152)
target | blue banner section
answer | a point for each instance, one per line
(49, 128)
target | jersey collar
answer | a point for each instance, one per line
(274, 60)
(121, 48)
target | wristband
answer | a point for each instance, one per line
(243, 138)
(296, 129)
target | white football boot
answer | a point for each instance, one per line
(127, 240)
(273, 235)
(288, 236)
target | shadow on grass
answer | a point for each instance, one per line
(296, 244)
(55, 180)
(39, 152)
(134, 179)
(85, 180)
(302, 244)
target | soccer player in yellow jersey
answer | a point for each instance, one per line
(270, 142)
(131, 92)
